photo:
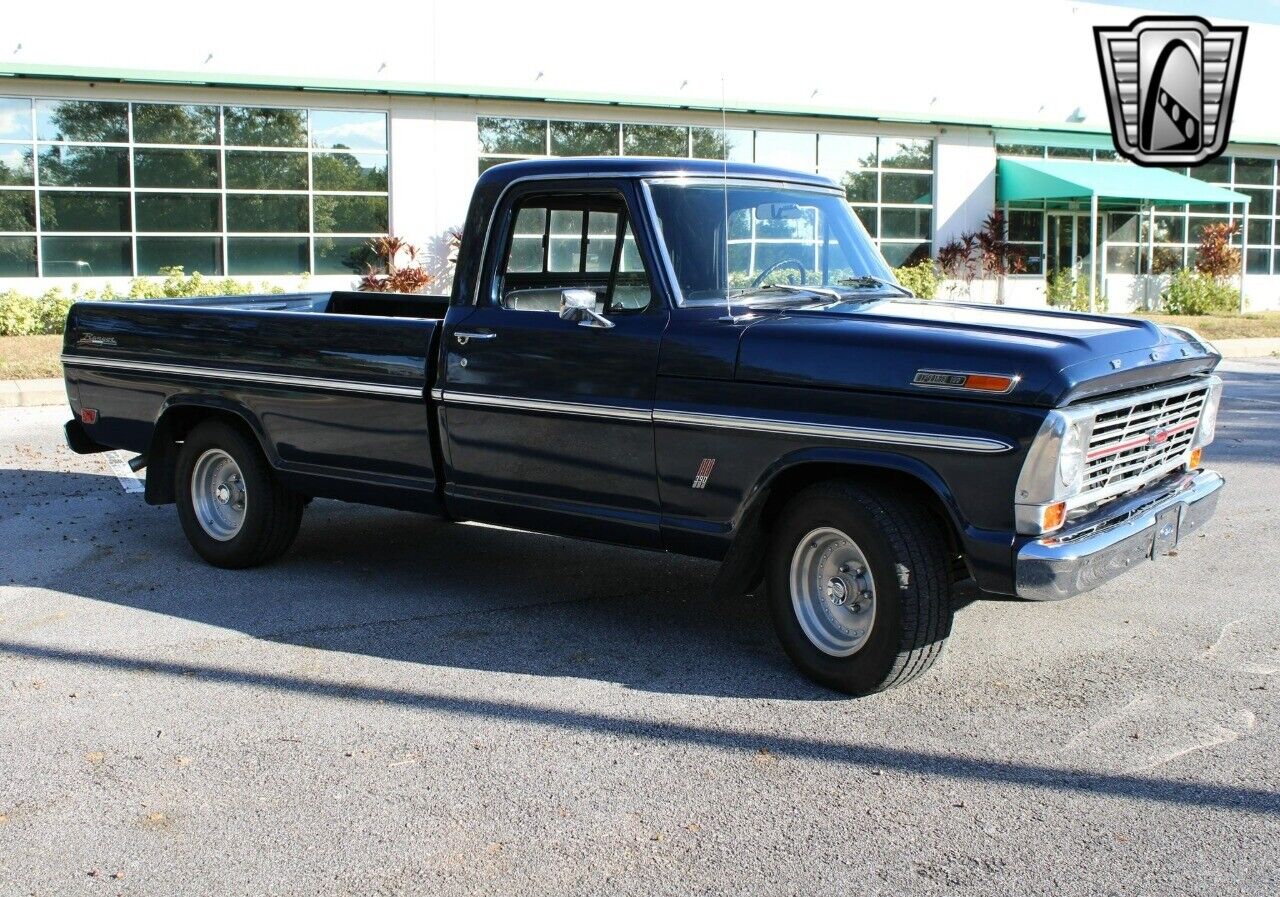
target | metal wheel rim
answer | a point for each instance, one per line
(833, 592)
(218, 494)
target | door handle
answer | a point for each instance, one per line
(464, 338)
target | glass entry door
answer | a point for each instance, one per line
(1067, 244)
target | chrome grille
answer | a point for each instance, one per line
(1133, 444)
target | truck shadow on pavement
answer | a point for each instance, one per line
(408, 588)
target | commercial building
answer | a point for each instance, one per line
(280, 150)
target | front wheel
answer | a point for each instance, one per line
(233, 510)
(858, 587)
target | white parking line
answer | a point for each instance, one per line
(129, 480)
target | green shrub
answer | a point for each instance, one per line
(22, 315)
(1064, 290)
(921, 278)
(1191, 293)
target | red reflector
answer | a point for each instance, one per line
(88, 415)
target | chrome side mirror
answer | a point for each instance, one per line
(580, 306)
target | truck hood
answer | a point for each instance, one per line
(1058, 356)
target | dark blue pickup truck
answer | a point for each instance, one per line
(687, 357)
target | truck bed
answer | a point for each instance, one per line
(335, 385)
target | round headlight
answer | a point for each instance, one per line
(1071, 457)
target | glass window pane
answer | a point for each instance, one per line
(860, 186)
(1069, 152)
(1260, 231)
(1255, 171)
(486, 164)
(513, 136)
(179, 212)
(1196, 226)
(15, 118)
(175, 168)
(17, 210)
(899, 254)
(565, 248)
(1171, 229)
(602, 230)
(84, 211)
(343, 255)
(839, 154)
(85, 256)
(1025, 225)
(168, 123)
(333, 129)
(1122, 227)
(85, 121)
(566, 221)
(351, 214)
(787, 149)
(526, 254)
(906, 154)
(17, 256)
(247, 170)
(1260, 200)
(267, 213)
(1018, 149)
(531, 221)
(655, 140)
(191, 254)
(905, 222)
(1105, 155)
(867, 215)
(251, 126)
(84, 166)
(15, 165)
(1257, 261)
(1217, 171)
(1122, 260)
(584, 138)
(712, 143)
(916, 189)
(267, 255)
(349, 171)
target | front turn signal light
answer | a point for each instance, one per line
(1193, 462)
(1053, 516)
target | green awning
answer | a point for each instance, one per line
(1038, 179)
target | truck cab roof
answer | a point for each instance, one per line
(639, 166)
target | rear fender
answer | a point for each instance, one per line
(178, 415)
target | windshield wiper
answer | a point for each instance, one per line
(866, 281)
(825, 292)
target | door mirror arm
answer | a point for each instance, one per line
(580, 306)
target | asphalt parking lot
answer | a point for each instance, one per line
(403, 706)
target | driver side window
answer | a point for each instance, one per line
(573, 242)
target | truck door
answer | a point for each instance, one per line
(548, 416)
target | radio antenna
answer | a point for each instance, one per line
(724, 160)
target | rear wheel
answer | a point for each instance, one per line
(234, 511)
(858, 587)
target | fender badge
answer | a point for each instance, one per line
(704, 473)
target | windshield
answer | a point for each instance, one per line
(779, 237)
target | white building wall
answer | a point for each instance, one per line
(964, 181)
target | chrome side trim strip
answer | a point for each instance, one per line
(730, 422)
(581, 409)
(437, 394)
(832, 431)
(377, 389)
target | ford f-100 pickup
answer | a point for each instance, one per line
(699, 358)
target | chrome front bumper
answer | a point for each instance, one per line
(1140, 528)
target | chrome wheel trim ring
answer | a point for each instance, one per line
(833, 592)
(218, 495)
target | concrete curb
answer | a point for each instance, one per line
(30, 393)
(1256, 347)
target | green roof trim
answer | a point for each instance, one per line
(1039, 179)
(1052, 134)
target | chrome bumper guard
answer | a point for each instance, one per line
(1141, 528)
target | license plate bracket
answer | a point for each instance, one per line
(1168, 528)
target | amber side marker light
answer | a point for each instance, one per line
(1053, 516)
(989, 382)
(1197, 455)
